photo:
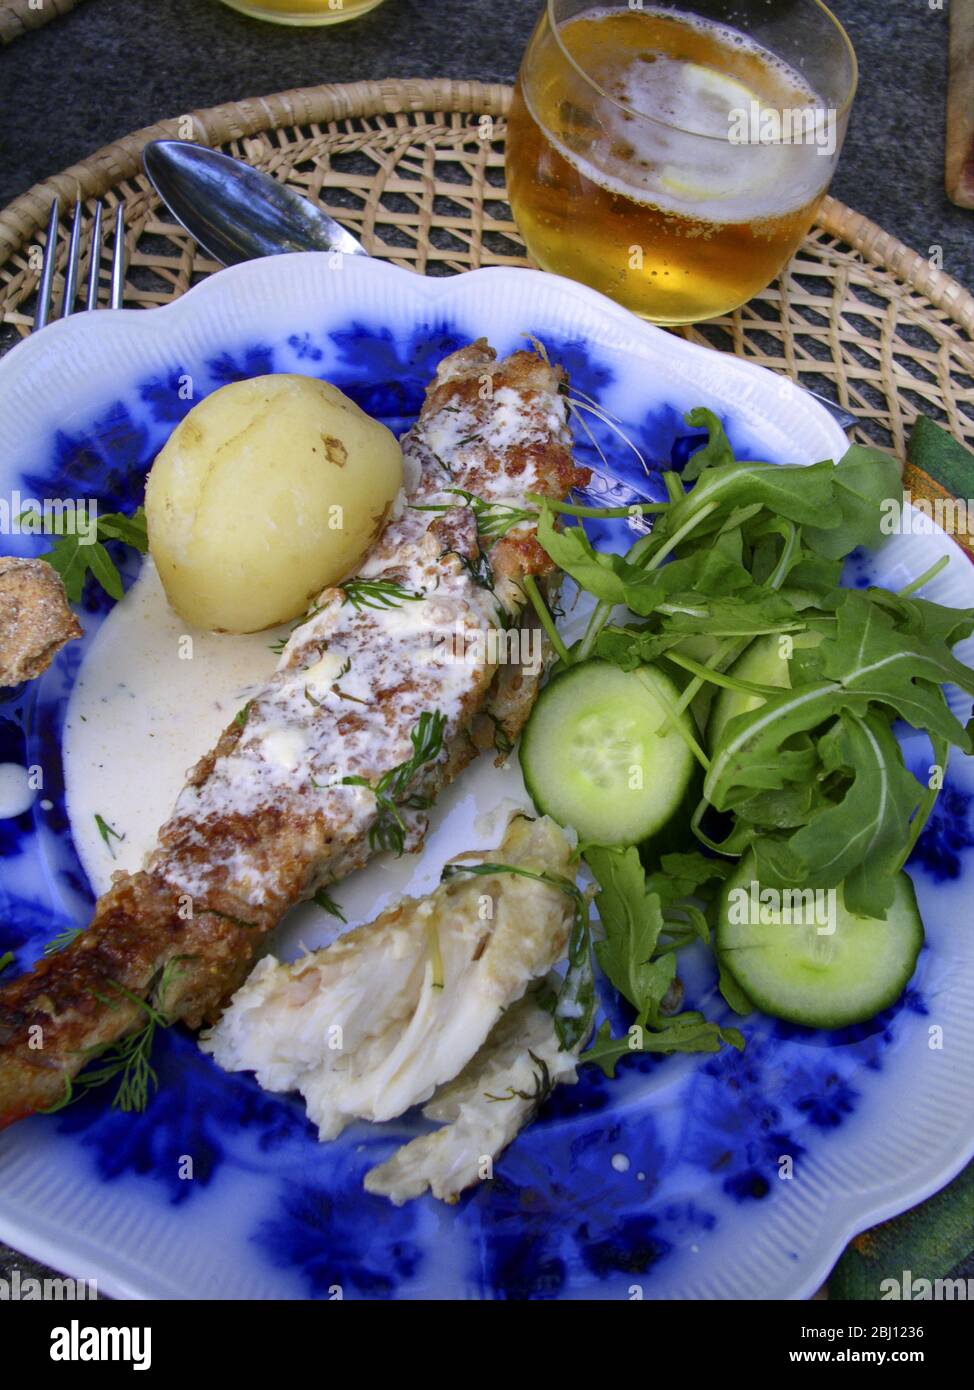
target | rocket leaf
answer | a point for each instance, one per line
(717, 449)
(637, 965)
(901, 666)
(858, 839)
(633, 921)
(864, 478)
(687, 1032)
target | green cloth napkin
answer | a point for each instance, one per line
(938, 454)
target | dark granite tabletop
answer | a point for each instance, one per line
(111, 66)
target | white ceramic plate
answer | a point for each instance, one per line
(665, 1179)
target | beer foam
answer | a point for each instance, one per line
(654, 85)
(664, 142)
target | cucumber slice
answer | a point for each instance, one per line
(800, 974)
(761, 663)
(599, 754)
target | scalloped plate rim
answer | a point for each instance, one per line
(431, 288)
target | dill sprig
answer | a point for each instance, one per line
(543, 1085)
(107, 833)
(129, 1060)
(63, 939)
(228, 917)
(322, 900)
(392, 791)
(494, 519)
(478, 567)
(242, 715)
(6, 959)
(343, 694)
(454, 870)
(277, 647)
(335, 688)
(377, 593)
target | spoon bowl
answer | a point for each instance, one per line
(235, 212)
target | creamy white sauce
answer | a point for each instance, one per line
(139, 717)
(452, 430)
(285, 748)
(16, 796)
(141, 714)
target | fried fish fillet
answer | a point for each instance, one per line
(373, 1024)
(286, 802)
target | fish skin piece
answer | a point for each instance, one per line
(484, 1108)
(253, 834)
(362, 1028)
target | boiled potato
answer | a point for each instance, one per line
(269, 490)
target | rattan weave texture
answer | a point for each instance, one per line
(416, 169)
(20, 16)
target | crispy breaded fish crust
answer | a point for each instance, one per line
(268, 817)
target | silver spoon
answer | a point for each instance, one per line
(236, 213)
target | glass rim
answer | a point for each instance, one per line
(833, 19)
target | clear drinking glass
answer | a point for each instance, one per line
(304, 11)
(674, 157)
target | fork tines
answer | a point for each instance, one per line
(72, 272)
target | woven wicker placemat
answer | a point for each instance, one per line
(416, 170)
(19, 16)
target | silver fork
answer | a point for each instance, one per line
(69, 304)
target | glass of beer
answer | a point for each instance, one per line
(674, 158)
(304, 11)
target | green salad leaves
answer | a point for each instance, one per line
(74, 559)
(810, 776)
(644, 924)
